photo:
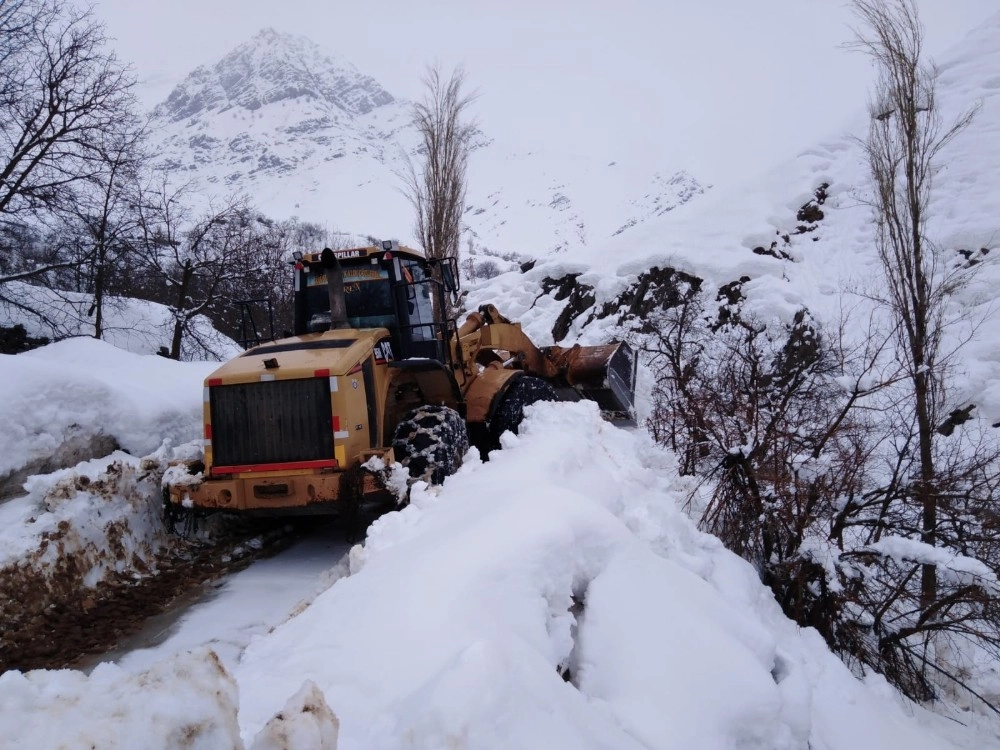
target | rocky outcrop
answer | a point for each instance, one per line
(663, 195)
(809, 214)
(655, 289)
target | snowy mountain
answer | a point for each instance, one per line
(273, 68)
(303, 132)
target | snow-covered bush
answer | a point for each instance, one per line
(808, 445)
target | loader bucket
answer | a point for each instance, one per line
(605, 374)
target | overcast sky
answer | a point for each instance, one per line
(723, 88)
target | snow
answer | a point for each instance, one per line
(79, 386)
(80, 507)
(555, 596)
(305, 721)
(462, 612)
(243, 606)
(634, 631)
(185, 702)
(950, 564)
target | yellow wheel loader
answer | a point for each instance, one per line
(375, 373)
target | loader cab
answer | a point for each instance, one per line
(386, 286)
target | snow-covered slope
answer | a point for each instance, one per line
(802, 235)
(558, 596)
(304, 133)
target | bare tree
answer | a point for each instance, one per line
(192, 263)
(61, 90)
(437, 189)
(62, 95)
(106, 216)
(16, 26)
(808, 439)
(905, 137)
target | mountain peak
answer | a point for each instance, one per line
(269, 34)
(271, 67)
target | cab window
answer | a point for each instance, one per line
(367, 296)
(419, 300)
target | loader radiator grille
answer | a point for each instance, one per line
(271, 422)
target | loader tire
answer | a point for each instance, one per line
(430, 442)
(510, 411)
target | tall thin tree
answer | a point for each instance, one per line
(437, 189)
(107, 215)
(905, 136)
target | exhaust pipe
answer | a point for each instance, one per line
(335, 289)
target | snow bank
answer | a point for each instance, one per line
(76, 533)
(305, 722)
(187, 702)
(130, 324)
(104, 514)
(78, 390)
(647, 618)
(100, 521)
(565, 558)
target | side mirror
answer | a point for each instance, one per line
(449, 273)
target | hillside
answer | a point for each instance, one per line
(304, 133)
(800, 236)
(776, 286)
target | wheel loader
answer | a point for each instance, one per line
(375, 373)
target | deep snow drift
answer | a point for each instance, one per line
(556, 596)
(84, 394)
(566, 554)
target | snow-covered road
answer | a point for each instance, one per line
(228, 614)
